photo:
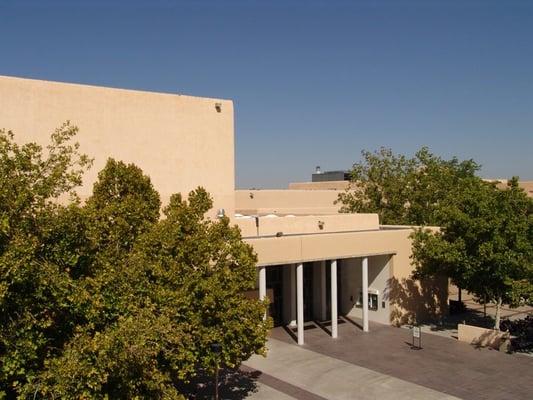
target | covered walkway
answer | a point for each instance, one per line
(322, 291)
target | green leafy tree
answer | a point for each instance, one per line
(123, 205)
(108, 300)
(522, 290)
(401, 190)
(485, 243)
(38, 308)
(208, 264)
(486, 235)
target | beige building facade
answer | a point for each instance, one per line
(181, 142)
(317, 266)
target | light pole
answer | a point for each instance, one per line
(216, 349)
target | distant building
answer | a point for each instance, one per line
(328, 180)
(327, 176)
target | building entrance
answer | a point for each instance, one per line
(274, 283)
(308, 292)
(281, 290)
(279, 293)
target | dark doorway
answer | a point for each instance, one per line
(308, 292)
(274, 284)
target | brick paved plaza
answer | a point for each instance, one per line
(382, 363)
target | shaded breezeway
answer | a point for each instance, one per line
(382, 364)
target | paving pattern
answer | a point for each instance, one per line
(364, 365)
(325, 377)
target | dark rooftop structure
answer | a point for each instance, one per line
(324, 176)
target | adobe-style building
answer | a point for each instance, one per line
(317, 266)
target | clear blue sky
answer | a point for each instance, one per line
(314, 82)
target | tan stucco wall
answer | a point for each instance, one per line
(326, 185)
(327, 246)
(527, 186)
(379, 276)
(283, 202)
(481, 336)
(307, 224)
(181, 142)
(413, 300)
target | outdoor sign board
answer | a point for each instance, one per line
(417, 334)
(416, 331)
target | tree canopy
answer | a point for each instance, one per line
(485, 244)
(485, 241)
(402, 190)
(111, 299)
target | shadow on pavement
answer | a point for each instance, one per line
(470, 317)
(233, 384)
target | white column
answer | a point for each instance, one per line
(262, 284)
(293, 294)
(334, 316)
(300, 301)
(365, 293)
(323, 292)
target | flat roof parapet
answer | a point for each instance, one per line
(263, 226)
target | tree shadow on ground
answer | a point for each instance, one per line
(522, 334)
(426, 302)
(469, 317)
(352, 321)
(492, 339)
(414, 301)
(233, 384)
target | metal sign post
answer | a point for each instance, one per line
(417, 336)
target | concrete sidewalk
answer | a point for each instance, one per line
(331, 378)
(382, 364)
(265, 392)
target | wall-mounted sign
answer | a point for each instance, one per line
(372, 301)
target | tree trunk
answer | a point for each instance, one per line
(459, 297)
(498, 312)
